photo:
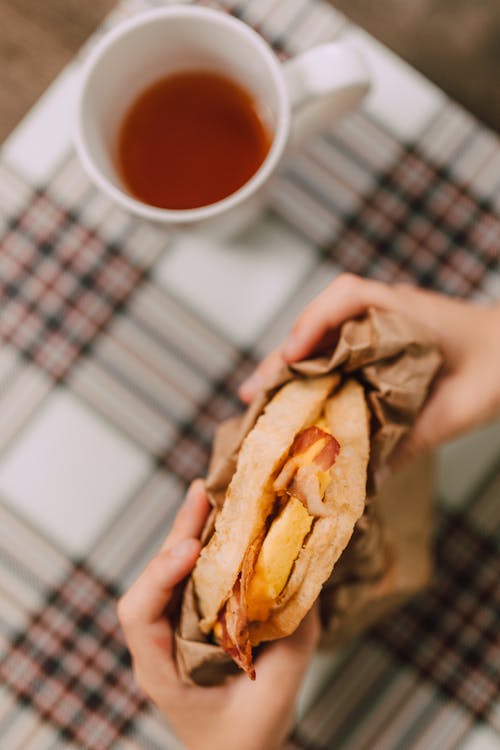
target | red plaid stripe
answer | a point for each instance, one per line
(59, 285)
(42, 219)
(450, 634)
(72, 666)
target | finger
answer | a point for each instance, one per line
(449, 411)
(281, 667)
(261, 376)
(280, 672)
(147, 598)
(191, 517)
(141, 610)
(346, 297)
(291, 655)
(147, 632)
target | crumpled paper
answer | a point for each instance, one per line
(388, 556)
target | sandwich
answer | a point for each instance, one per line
(289, 511)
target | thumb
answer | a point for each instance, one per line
(146, 600)
(141, 611)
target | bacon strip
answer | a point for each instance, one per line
(235, 639)
(303, 481)
(233, 617)
(328, 454)
(306, 488)
(306, 438)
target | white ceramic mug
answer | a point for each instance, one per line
(296, 97)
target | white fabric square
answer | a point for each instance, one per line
(482, 738)
(400, 98)
(240, 284)
(70, 472)
(43, 138)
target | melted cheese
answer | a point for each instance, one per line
(276, 558)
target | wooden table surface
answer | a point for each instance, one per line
(455, 43)
(37, 39)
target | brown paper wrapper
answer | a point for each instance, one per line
(387, 558)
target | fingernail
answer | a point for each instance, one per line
(289, 348)
(196, 487)
(251, 384)
(184, 548)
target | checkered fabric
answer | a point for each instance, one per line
(426, 227)
(61, 284)
(450, 635)
(114, 373)
(85, 691)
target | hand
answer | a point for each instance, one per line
(467, 392)
(238, 714)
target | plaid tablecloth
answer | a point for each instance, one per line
(123, 348)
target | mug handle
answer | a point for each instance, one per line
(323, 84)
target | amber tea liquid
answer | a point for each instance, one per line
(189, 140)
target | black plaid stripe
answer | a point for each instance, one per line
(59, 285)
(420, 225)
(72, 666)
(451, 634)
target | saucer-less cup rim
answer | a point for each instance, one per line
(280, 134)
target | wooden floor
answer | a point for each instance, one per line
(456, 43)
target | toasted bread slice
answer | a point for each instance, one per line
(348, 420)
(250, 497)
